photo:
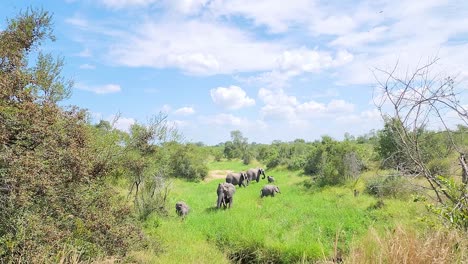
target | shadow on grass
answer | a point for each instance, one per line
(214, 209)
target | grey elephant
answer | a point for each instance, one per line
(254, 174)
(225, 193)
(237, 179)
(269, 190)
(270, 179)
(182, 209)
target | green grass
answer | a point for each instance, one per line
(300, 224)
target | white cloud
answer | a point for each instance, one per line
(274, 14)
(186, 6)
(304, 60)
(126, 3)
(180, 124)
(166, 108)
(101, 89)
(123, 123)
(196, 47)
(87, 66)
(339, 106)
(280, 106)
(224, 119)
(356, 39)
(333, 25)
(184, 111)
(232, 97)
(86, 53)
(77, 21)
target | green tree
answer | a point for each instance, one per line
(51, 194)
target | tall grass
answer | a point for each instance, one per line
(403, 245)
(298, 225)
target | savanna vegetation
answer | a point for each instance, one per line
(73, 191)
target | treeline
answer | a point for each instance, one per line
(333, 162)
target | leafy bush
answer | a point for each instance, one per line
(439, 166)
(333, 162)
(388, 186)
(188, 162)
(296, 163)
(52, 191)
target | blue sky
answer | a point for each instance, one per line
(275, 70)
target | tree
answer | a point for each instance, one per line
(148, 164)
(415, 102)
(51, 195)
(238, 147)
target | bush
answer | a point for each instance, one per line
(296, 163)
(188, 162)
(439, 166)
(52, 191)
(388, 186)
(333, 162)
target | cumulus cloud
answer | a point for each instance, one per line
(232, 97)
(195, 47)
(223, 119)
(280, 106)
(99, 89)
(126, 3)
(304, 60)
(184, 111)
(123, 123)
(86, 53)
(87, 66)
(186, 6)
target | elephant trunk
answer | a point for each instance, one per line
(220, 200)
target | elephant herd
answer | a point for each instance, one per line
(226, 190)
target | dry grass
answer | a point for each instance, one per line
(216, 174)
(406, 246)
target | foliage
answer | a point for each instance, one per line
(147, 164)
(409, 105)
(404, 244)
(334, 162)
(238, 147)
(52, 191)
(391, 185)
(189, 162)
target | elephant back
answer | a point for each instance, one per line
(234, 178)
(253, 174)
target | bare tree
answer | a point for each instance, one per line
(420, 100)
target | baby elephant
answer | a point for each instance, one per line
(269, 190)
(182, 209)
(270, 179)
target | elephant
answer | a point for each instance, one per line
(270, 179)
(237, 178)
(182, 209)
(269, 190)
(225, 193)
(254, 174)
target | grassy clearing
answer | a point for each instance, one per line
(300, 224)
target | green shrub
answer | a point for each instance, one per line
(394, 186)
(188, 162)
(439, 166)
